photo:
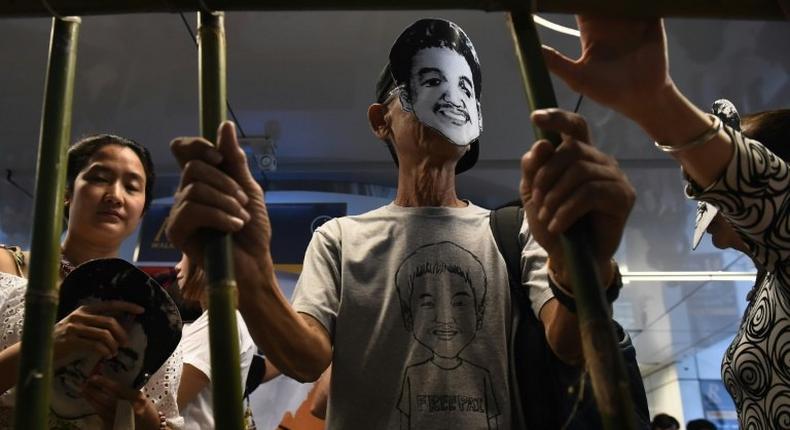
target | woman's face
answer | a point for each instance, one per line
(182, 271)
(724, 236)
(108, 197)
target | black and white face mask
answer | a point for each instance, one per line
(437, 75)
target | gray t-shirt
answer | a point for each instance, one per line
(417, 304)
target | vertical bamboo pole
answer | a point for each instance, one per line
(41, 298)
(223, 333)
(601, 350)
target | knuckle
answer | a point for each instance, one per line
(578, 121)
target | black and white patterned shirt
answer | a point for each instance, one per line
(754, 194)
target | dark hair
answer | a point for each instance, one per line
(432, 33)
(700, 424)
(436, 259)
(771, 128)
(663, 421)
(81, 152)
(429, 33)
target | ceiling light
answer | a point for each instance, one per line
(556, 27)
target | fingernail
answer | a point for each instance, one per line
(245, 215)
(237, 222)
(543, 213)
(241, 196)
(540, 115)
(552, 227)
(213, 157)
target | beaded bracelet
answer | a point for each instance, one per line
(705, 137)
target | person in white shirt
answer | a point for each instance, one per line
(194, 393)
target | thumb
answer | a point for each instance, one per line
(234, 160)
(562, 66)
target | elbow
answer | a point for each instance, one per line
(305, 375)
(309, 367)
(572, 356)
(566, 345)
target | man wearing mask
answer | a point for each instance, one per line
(410, 302)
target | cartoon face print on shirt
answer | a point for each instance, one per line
(443, 310)
(442, 292)
(436, 70)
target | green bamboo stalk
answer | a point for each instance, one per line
(223, 333)
(41, 298)
(601, 350)
(730, 9)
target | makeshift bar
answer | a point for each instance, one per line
(41, 299)
(731, 9)
(223, 333)
(601, 350)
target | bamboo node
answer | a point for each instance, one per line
(36, 296)
(34, 376)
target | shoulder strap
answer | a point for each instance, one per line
(255, 374)
(19, 258)
(505, 224)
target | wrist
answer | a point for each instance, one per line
(670, 118)
(562, 277)
(253, 286)
(146, 415)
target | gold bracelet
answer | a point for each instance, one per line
(705, 137)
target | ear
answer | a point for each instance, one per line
(378, 121)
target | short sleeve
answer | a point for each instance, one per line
(534, 272)
(162, 388)
(195, 345)
(317, 291)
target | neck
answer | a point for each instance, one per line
(427, 185)
(79, 251)
(446, 362)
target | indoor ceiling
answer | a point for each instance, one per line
(306, 78)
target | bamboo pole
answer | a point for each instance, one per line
(601, 350)
(223, 333)
(730, 9)
(41, 298)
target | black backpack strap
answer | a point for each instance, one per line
(531, 379)
(505, 224)
(255, 374)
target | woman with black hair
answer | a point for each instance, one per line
(109, 183)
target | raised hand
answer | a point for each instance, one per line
(623, 63)
(559, 186)
(218, 192)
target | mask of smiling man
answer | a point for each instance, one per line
(437, 74)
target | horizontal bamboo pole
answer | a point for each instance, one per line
(730, 9)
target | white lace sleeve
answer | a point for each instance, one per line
(162, 389)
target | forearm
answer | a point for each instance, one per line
(561, 324)
(289, 342)
(671, 119)
(562, 332)
(9, 367)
